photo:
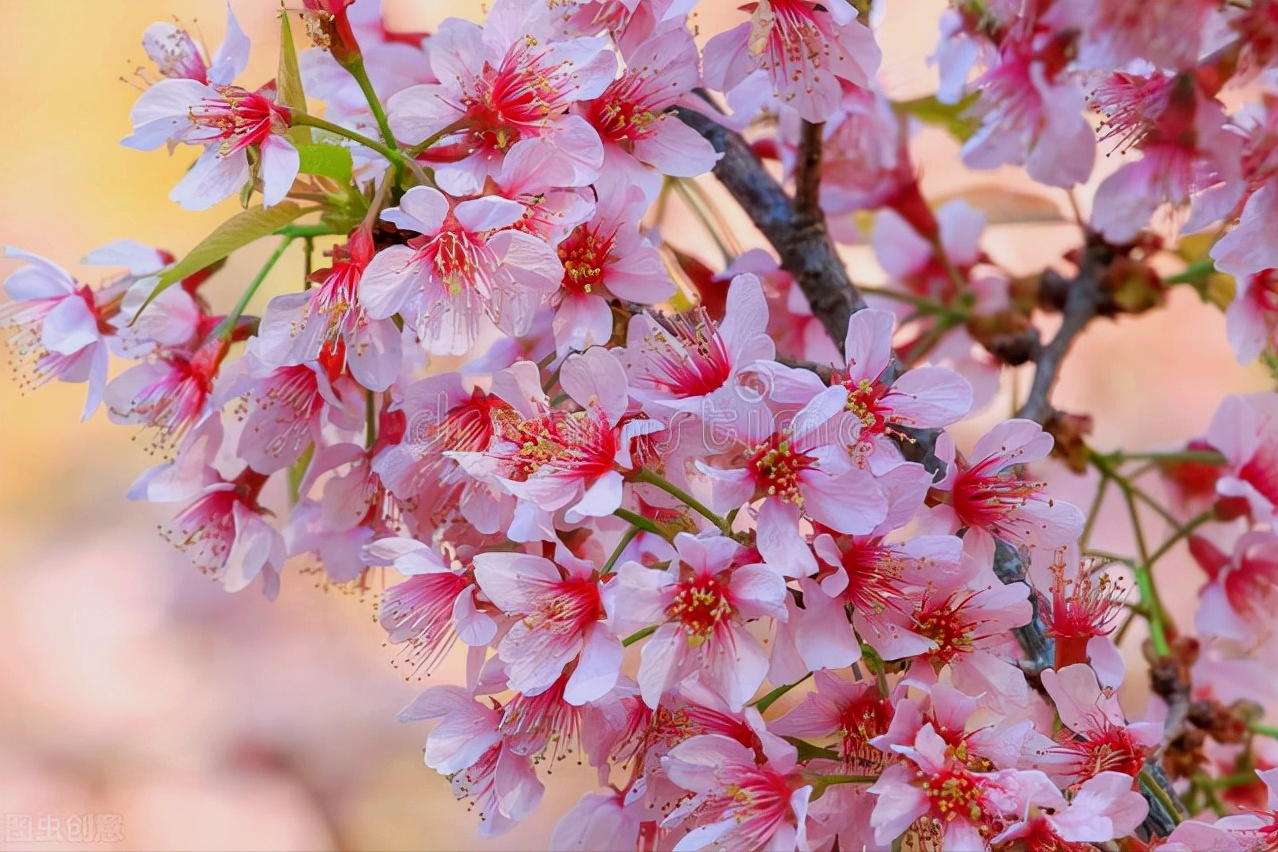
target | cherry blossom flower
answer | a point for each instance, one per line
(1242, 588)
(328, 323)
(923, 398)
(1103, 740)
(603, 259)
(631, 115)
(60, 327)
(1244, 431)
(224, 118)
(987, 493)
(1031, 113)
(560, 611)
(431, 609)
(467, 264)
(968, 806)
(808, 49)
(701, 602)
(550, 459)
(674, 362)
(797, 470)
(1103, 808)
(222, 528)
(505, 81)
(467, 746)
(748, 806)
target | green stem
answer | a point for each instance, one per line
(1160, 794)
(370, 419)
(923, 303)
(1207, 456)
(227, 326)
(821, 783)
(430, 141)
(1193, 273)
(1265, 731)
(1156, 615)
(639, 634)
(396, 158)
(306, 231)
(1183, 531)
(356, 69)
(643, 474)
(1094, 512)
(768, 700)
(1238, 780)
(628, 537)
(704, 218)
(636, 520)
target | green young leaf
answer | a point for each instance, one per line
(954, 118)
(233, 234)
(330, 161)
(288, 81)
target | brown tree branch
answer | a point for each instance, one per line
(799, 235)
(797, 231)
(1083, 299)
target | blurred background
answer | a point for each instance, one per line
(131, 686)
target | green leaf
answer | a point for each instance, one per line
(288, 81)
(233, 234)
(330, 161)
(954, 118)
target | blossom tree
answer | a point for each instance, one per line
(648, 491)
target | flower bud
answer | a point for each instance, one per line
(329, 26)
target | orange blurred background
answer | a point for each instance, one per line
(130, 685)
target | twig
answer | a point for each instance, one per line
(1082, 300)
(799, 236)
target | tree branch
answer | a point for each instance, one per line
(1083, 299)
(798, 234)
(797, 231)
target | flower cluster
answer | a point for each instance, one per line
(647, 498)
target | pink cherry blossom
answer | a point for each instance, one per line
(967, 805)
(1245, 431)
(631, 116)
(560, 610)
(169, 393)
(855, 713)
(1032, 113)
(924, 397)
(55, 324)
(433, 608)
(808, 49)
(1103, 740)
(798, 469)
(1103, 808)
(226, 119)
(606, 258)
(550, 459)
(508, 80)
(1237, 601)
(987, 493)
(467, 264)
(467, 746)
(222, 528)
(701, 603)
(1186, 149)
(674, 362)
(766, 807)
(328, 323)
